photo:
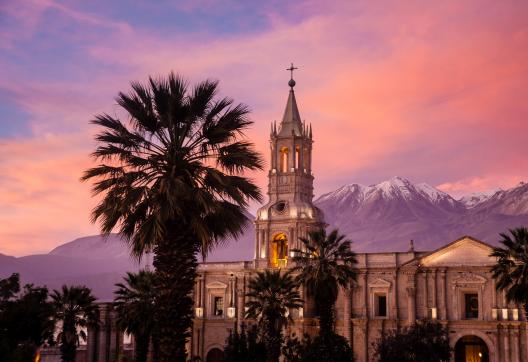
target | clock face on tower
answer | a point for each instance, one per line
(280, 207)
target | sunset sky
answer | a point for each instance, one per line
(436, 92)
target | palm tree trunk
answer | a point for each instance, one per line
(175, 263)
(68, 347)
(325, 310)
(273, 342)
(142, 347)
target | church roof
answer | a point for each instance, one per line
(465, 251)
(291, 121)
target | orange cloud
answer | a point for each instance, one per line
(434, 92)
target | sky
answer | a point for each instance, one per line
(432, 91)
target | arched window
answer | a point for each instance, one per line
(471, 348)
(284, 159)
(215, 355)
(279, 250)
(297, 157)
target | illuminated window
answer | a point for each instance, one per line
(297, 157)
(381, 305)
(218, 306)
(279, 250)
(472, 305)
(284, 159)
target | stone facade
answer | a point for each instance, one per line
(414, 285)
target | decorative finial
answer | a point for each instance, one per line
(291, 83)
(411, 246)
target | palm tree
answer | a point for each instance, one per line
(271, 295)
(75, 310)
(135, 307)
(173, 181)
(324, 264)
(511, 270)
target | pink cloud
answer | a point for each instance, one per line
(435, 93)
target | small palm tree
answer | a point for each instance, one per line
(135, 304)
(511, 270)
(172, 176)
(324, 264)
(75, 310)
(271, 295)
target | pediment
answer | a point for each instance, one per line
(379, 283)
(465, 251)
(216, 285)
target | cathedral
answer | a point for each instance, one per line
(453, 284)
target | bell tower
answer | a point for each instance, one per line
(289, 213)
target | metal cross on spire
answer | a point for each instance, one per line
(291, 83)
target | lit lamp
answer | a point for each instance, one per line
(199, 312)
(434, 313)
(504, 314)
(494, 313)
(301, 312)
(515, 314)
(292, 254)
(231, 312)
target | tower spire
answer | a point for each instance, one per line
(291, 120)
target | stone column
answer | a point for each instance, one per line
(443, 299)
(411, 304)
(365, 342)
(240, 300)
(91, 344)
(515, 343)
(395, 309)
(265, 243)
(365, 296)
(102, 347)
(434, 292)
(426, 293)
(113, 336)
(506, 344)
(346, 313)
(257, 243)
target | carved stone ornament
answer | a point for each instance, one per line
(469, 278)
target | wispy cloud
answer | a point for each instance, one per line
(435, 92)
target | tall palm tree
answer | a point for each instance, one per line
(173, 181)
(271, 295)
(75, 310)
(511, 270)
(135, 306)
(324, 264)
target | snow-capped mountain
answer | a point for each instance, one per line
(475, 198)
(510, 202)
(387, 215)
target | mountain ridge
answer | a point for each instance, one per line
(383, 217)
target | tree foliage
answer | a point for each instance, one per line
(172, 176)
(329, 348)
(325, 263)
(271, 296)
(135, 304)
(423, 341)
(74, 310)
(511, 269)
(25, 319)
(244, 346)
